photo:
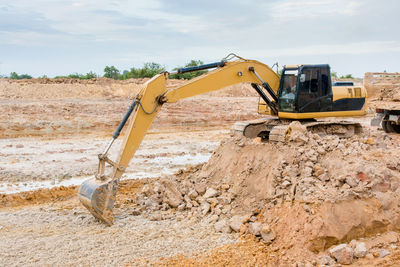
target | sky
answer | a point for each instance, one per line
(60, 37)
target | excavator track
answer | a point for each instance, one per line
(275, 130)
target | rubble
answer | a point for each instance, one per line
(343, 254)
(222, 226)
(326, 181)
(383, 253)
(360, 250)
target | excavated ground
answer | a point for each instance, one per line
(236, 202)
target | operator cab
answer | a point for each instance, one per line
(305, 89)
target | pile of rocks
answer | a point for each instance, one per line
(198, 201)
(349, 253)
(330, 168)
(246, 179)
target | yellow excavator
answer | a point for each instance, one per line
(301, 92)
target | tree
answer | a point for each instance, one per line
(111, 72)
(15, 76)
(334, 74)
(347, 76)
(190, 75)
(148, 70)
(89, 75)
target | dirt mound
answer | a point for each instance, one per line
(40, 89)
(305, 194)
(35, 89)
(382, 85)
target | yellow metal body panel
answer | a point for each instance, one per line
(312, 115)
(232, 73)
(340, 92)
(141, 122)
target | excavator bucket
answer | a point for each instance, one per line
(98, 197)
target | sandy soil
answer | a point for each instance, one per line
(28, 163)
(63, 233)
(307, 200)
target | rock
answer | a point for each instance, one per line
(205, 207)
(210, 193)
(187, 199)
(225, 186)
(235, 223)
(134, 212)
(352, 181)
(151, 204)
(222, 226)
(19, 146)
(200, 188)
(325, 260)
(369, 256)
(213, 218)
(224, 200)
(192, 194)
(172, 196)
(383, 253)
(360, 250)
(181, 207)
(267, 234)
(286, 184)
(369, 141)
(155, 217)
(140, 199)
(217, 211)
(158, 188)
(342, 253)
(194, 203)
(255, 228)
(147, 190)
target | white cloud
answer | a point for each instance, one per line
(132, 32)
(357, 48)
(289, 10)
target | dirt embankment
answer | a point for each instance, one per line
(73, 107)
(383, 89)
(301, 197)
(99, 88)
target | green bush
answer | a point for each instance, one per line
(148, 70)
(15, 76)
(347, 76)
(189, 75)
(111, 72)
(87, 76)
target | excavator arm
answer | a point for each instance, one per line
(98, 194)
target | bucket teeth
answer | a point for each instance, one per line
(99, 197)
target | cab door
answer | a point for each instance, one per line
(315, 91)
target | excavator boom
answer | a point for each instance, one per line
(98, 194)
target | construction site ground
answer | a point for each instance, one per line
(51, 132)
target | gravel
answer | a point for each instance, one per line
(53, 235)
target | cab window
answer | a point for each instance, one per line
(287, 94)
